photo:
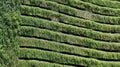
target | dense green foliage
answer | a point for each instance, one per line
(66, 38)
(54, 16)
(64, 58)
(56, 26)
(105, 3)
(34, 63)
(70, 32)
(61, 47)
(59, 33)
(9, 18)
(77, 4)
(74, 12)
(79, 33)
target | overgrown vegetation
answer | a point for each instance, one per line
(9, 18)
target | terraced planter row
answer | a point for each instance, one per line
(67, 48)
(105, 3)
(69, 33)
(78, 31)
(31, 63)
(66, 38)
(59, 33)
(64, 58)
(54, 16)
(77, 13)
(87, 7)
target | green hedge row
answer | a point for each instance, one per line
(114, 0)
(66, 38)
(52, 56)
(105, 3)
(54, 16)
(64, 58)
(56, 26)
(34, 63)
(77, 13)
(85, 6)
(60, 47)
